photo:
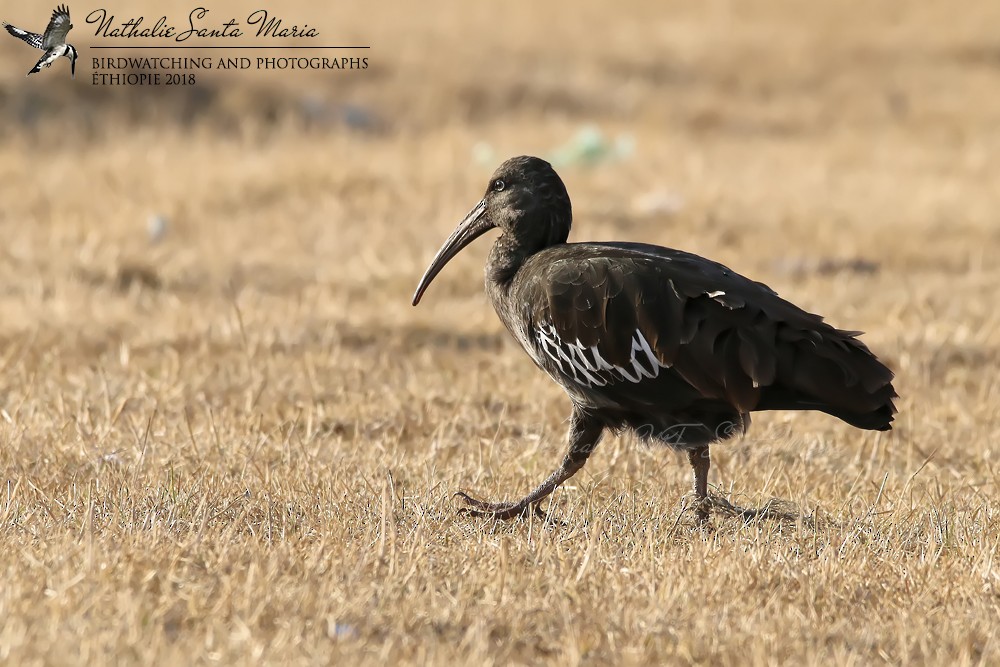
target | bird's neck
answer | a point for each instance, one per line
(507, 257)
(511, 251)
(505, 260)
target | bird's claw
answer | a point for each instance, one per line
(700, 506)
(504, 511)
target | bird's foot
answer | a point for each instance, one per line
(505, 511)
(773, 509)
(700, 505)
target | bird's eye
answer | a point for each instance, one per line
(498, 185)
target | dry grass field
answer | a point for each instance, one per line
(239, 444)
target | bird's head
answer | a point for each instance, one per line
(525, 199)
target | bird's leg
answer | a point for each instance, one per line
(700, 463)
(584, 434)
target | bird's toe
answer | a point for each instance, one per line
(505, 510)
(701, 506)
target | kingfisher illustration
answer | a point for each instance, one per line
(52, 41)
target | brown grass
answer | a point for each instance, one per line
(239, 445)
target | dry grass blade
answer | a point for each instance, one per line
(197, 430)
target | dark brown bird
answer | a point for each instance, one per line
(676, 347)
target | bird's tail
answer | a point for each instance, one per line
(878, 418)
(837, 374)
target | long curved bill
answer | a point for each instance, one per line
(472, 227)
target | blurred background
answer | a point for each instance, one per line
(205, 290)
(786, 138)
(724, 119)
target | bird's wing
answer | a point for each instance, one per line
(31, 38)
(629, 320)
(59, 26)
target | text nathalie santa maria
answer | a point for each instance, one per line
(258, 23)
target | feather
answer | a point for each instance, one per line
(715, 336)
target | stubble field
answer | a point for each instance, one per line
(238, 443)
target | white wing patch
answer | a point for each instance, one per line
(587, 367)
